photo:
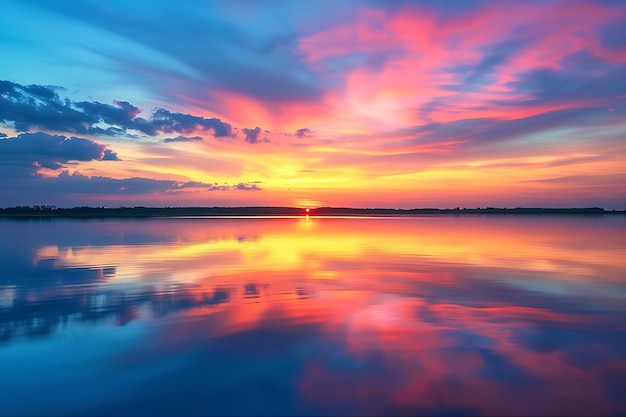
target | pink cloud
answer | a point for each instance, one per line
(419, 51)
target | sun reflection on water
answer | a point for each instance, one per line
(376, 316)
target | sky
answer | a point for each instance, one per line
(313, 103)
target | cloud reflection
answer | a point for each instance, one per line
(439, 315)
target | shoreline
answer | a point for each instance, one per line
(277, 212)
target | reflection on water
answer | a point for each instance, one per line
(390, 316)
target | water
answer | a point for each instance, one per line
(516, 315)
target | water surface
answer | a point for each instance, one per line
(441, 315)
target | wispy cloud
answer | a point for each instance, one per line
(183, 139)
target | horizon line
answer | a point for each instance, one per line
(36, 207)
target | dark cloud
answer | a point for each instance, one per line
(183, 139)
(77, 183)
(304, 133)
(128, 108)
(40, 91)
(38, 106)
(122, 114)
(24, 154)
(164, 121)
(252, 135)
(35, 106)
(3, 135)
(8, 89)
(242, 186)
(247, 187)
(216, 187)
(17, 189)
(109, 155)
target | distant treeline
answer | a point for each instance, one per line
(52, 211)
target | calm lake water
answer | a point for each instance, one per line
(515, 315)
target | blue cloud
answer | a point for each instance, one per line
(247, 187)
(24, 154)
(77, 183)
(183, 139)
(252, 135)
(36, 106)
(164, 121)
(304, 133)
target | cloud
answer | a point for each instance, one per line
(486, 131)
(36, 106)
(305, 133)
(617, 179)
(247, 187)
(215, 187)
(495, 55)
(585, 79)
(3, 135)
(164, 121)
(252, 135)
(242, 186)
(25, 154)
(109, 155)
(77, 183)
(183, 139)
(121, 114)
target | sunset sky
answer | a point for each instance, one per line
(313, 103)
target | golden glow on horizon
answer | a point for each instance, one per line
(375, 176)
(306, 203)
